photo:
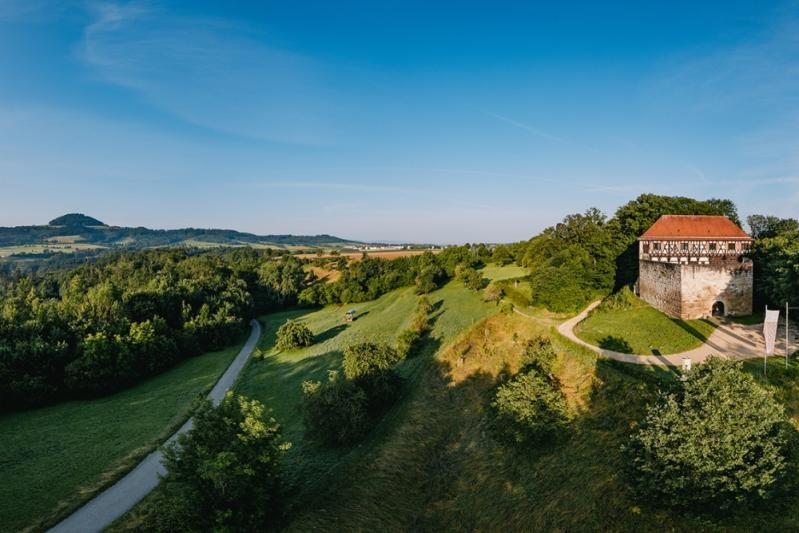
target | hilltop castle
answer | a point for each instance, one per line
(695, 266)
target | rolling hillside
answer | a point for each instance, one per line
(77, 232)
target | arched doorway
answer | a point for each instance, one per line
(718, 309)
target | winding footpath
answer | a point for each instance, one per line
(119, 498)
(733, 341)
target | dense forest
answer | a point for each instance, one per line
(103, 326)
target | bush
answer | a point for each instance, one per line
(408, 341)
(493, 293)
(539, 354)
(722, 441)
(529, 409)
(223, 474)
(335, 412)
(369, 358)
(622, 300)
(292, 335)
(371, 367)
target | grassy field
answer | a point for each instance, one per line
(67, 248)
(499, 273)
(642, 330)
(54, 458)
(433, 463)
(276, 380)
(375, 254)
(440, 469)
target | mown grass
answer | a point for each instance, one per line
(276, 380)
(496, 272)
(54, 458)
(642, 329)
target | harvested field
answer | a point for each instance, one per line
(325, 275)
(386, 254)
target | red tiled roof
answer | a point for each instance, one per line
(694, 227)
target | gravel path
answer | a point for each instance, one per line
(119, 498)
(734, 341)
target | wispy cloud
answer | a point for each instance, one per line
(207, 72)
(325, 185)
(521, 125)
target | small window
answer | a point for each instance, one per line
(712, 246)
(731, 246)
(685, 246)
(656, 246)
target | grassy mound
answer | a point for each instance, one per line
(54, 458)
(625, 323)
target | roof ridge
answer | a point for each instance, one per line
(676, 226)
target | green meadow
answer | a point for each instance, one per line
(641, 329)
(53, 459)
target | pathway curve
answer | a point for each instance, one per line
(730, 340)
(120, 497)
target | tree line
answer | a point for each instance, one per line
(104, 326)
(370, 278)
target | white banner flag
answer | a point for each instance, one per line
(770, 329)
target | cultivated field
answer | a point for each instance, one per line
(387, 254)
(6, 251)
(54, 458)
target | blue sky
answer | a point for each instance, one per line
(392, 120)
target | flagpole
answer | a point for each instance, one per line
(765, 352)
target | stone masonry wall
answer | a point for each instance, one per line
(728, 282)
(688, 291)
(659, 285)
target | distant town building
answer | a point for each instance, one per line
(693, 266)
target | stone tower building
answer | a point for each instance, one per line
(694, 266)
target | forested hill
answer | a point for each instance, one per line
(82, 230)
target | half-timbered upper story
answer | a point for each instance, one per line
(693, 238)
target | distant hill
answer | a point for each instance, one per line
(75, 219)
(77, 231)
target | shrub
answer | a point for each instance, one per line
(369, 358)
(493, 293)
(722, 441)
(530, 408)
(539, 354)
(371, 366)
(335, 412)
(624, 299)
(223, 474)
(471, 278)
(292, 335)
(408, 341)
